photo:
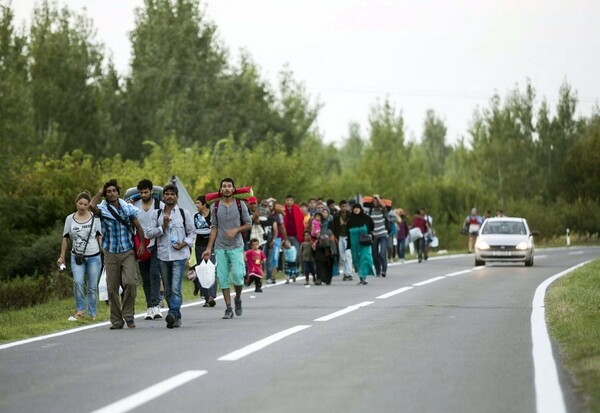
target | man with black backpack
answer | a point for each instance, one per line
(174, 232)
(149, 268)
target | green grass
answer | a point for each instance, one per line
(573, 315)
(53, 316)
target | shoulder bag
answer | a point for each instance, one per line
(80, 257)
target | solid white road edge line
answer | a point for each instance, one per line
(452, 274)
(259, 345)
(346, 310)
(548, 393)
(429, 281)
(152, 392)
(393, 293)
(575, 253)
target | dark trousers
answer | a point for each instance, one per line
(150, 273)
(379, 249)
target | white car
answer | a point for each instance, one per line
(505, 239)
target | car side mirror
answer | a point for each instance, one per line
(535, 233)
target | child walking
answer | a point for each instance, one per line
(291, 267)
(255, 258)
(307, 258)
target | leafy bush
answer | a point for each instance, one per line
(24, 292)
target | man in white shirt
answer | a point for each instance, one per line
(149, 269)
(174, 234)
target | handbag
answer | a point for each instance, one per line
(365, 238)
(147, 254)
(465, 229)
(80, 257)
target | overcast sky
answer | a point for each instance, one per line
(445, 55)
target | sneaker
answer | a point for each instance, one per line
(72, 318)
(228, 313)
(116, 326)
(272, 282)
(130, 323)
(383, 274)
(211, 302)
(157, 313)
(205, 304)
(287, 281)
(177, 323)
(238, 308)
(149, 314)
(345, 278)
(258, 290)
(350, 278)
(170, 320)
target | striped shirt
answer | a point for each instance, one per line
(117, 237)
(379, 221)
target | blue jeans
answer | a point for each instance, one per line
(151, 279)
(380, 255)
(401, 248)
(273, 258)
(172, 276)
(91, 267)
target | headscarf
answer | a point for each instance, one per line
(358, 220)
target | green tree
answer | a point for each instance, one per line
(176, 65)
(65, 69)
(434, 143)
(503, 144)
(16, 110)
(384, 163)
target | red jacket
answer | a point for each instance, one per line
(296, 215)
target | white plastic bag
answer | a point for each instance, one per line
(102, 288)
(435, 242)
(206, 273)
(416, 234)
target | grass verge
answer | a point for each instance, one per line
(53, 316)
(573, 316)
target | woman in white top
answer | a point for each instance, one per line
(84, 231)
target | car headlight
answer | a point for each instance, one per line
(522, 246)
(482, 245)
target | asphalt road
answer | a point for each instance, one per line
(440, 336)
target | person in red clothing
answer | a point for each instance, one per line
(255, 258)
(420, 222)
(293, 221)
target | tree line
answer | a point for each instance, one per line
(69, 121)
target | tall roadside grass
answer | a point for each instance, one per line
(573, 315)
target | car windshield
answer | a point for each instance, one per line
(504, 227)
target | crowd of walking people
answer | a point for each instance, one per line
(249, 241)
